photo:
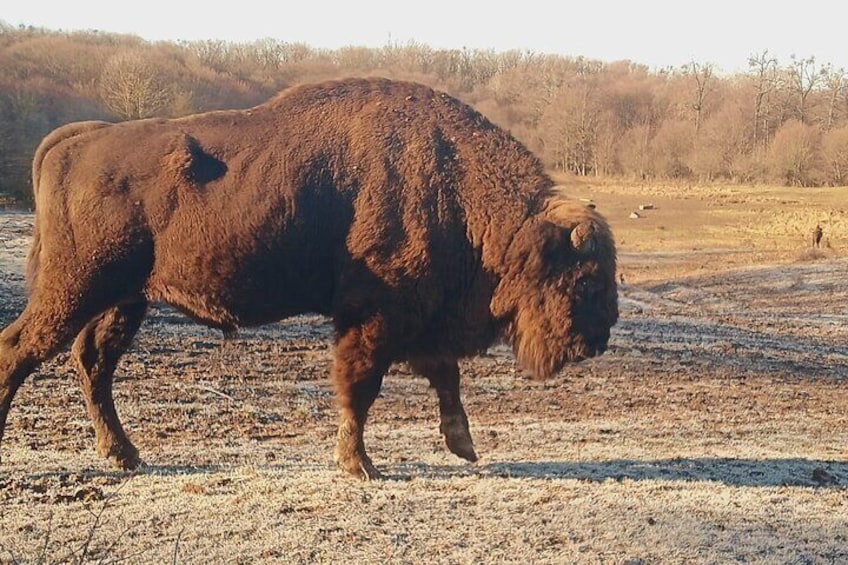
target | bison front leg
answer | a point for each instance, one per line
(96, 352)
(358, 368)
(453, 422)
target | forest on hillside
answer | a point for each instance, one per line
(780, 122)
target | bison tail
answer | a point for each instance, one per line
(32, 260)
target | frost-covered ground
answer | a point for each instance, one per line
(715, 429)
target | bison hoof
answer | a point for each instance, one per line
(126, 459)
(462, 447)
(465, 451)
(360, 468)
(458, 438)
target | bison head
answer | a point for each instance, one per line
(558, 298)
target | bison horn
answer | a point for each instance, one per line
(583, 237)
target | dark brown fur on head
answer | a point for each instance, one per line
(559, 295)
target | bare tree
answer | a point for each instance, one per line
(702, 74)
(132, 88)
(569, 120)
(804, 79)
(766, 80)
(606, 146)
(834, 80)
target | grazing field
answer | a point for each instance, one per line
(715, 429)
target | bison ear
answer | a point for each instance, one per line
(583, 237)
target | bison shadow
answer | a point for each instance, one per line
(728, 471)
(794, 472)
(718, 344)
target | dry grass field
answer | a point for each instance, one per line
(714, 430)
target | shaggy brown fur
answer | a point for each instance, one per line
(423, 230)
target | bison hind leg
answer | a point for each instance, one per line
(453, 422)
(41, 331)
(96, 351)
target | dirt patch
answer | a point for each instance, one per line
(715, 429)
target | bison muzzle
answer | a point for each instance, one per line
(425, 233)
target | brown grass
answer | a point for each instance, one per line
(714, 429)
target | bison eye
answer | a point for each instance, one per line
(586, 289)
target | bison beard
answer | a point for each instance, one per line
(425, 232)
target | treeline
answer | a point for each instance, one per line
(783, 122)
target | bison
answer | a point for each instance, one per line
(425, 232)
